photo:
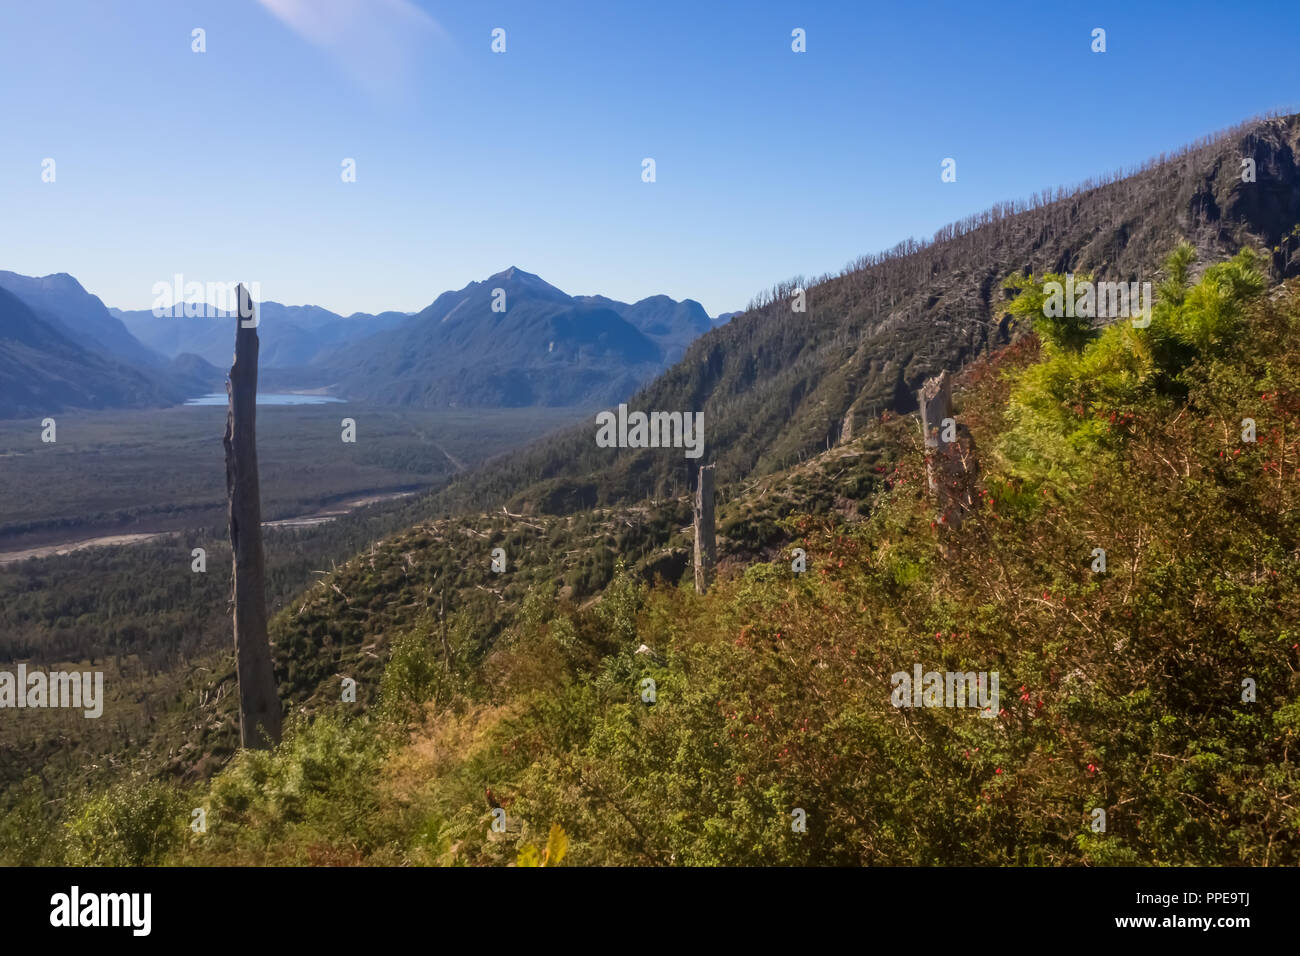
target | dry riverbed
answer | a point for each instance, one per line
(115, 540)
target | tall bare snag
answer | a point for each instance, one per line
(259, 704)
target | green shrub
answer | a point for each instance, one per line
(136, 823)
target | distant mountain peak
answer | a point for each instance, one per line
(518, 282)
(518, 275)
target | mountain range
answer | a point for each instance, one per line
(510, 340)
(775, 384)
(515, 340)
(290, 335)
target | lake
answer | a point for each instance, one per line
(268, 398)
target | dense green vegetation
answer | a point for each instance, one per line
(1162, 690)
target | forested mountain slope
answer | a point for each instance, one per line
(776, 385)
(60, 300)
(43, 370)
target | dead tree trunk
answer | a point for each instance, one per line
(936, 404)
(705, 551)
(951, 468)
(259, 704)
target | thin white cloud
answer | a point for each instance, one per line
(375, 41)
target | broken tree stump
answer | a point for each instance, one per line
(705, 546)
(951, 467)
(846, 427)
(259, 703)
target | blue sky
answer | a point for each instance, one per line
(226, 165)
